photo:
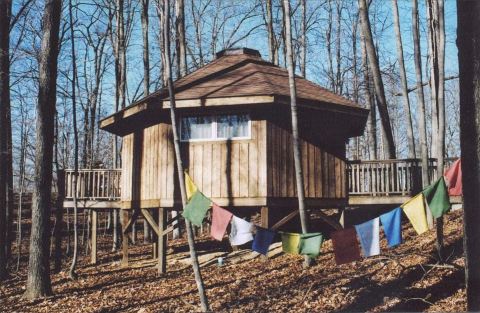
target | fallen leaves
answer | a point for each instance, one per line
(394, 281)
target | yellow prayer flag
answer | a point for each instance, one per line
(415, 211)
(190, 186)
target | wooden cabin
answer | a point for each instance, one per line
(236, 140)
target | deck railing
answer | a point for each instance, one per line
(94, 184)
(365, 178)
(387, 177)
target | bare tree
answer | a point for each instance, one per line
(303, 39)
(370, 103)
(468, 42)
(181, 45)
(38, 279)
(377, 79)
(272, 50)
(422, 129)
(403, 78)
(180, 170)
(146, 81)
(5, 14)
(71, 272)
(297, 154)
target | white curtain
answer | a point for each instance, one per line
(198, 127)
(231, 126)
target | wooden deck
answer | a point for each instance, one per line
(96, 188)
(369, 183)
(384, 182)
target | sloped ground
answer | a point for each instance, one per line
(402, 279)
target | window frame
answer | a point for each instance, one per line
(214, 129)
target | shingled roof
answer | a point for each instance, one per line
(242, 72)
(237, 73)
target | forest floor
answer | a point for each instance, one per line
(401, 279)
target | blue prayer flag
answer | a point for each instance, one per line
(369, 235)
(392, 226)
(263, 239)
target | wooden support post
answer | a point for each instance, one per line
(124, 221)
(154, 233)
(94, 218)
(162, 241)
(264, 217)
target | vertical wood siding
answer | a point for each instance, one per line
(323, 172)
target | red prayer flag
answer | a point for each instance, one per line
(453, 176)
(345, 246)
(220, 220)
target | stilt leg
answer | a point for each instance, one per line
(124, 220)
(93, 256)
(162, 241)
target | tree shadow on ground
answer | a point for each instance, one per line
(411, 297)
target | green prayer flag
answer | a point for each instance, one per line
(437, 198)
(290, 243)
(310, 244)
(197, 208)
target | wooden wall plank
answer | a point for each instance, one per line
(243, 170)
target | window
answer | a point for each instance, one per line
(215, 127)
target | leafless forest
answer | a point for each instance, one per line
(66, 65)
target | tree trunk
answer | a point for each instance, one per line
(122, 58)
(422, 129)
(146, 82)
(72, 273)
(432, 58)
(180, 170)
(21, 186)
(441, 113)
(303, 40)
(297, 154)
(271, 35)
(403, 78)
(10, 200)
(58, 228)
(5, 10)
(38, 279)
(389, 144)
(370, 101)
(181, 44)
(468, 41)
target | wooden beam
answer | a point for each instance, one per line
(162, 242)
(151, 221)
(132, 220)
(224, 101)
(124, 215)
(284, 220)
(264, 216)
(94, 204)
(93, 253)
(174, 219)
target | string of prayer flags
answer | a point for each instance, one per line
(290, 243)
(190, 186)
(415, 211)
(392, 226)
(437, 198)
(310, 244)
(454, 178)
(345, 246)
(262, 240)
(197, 208)
(369, 234)
(240, 231)
(220, 220)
